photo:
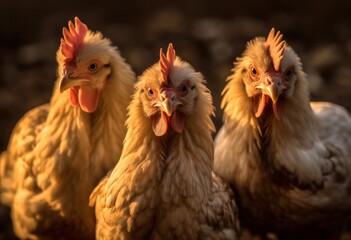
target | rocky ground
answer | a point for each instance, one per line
(208, 35)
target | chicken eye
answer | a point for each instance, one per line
(184, 89)
(289, 73)
(253, 71)
(93, 67)
(150, 93)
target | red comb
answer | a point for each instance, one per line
(166, 63)
(276, 46)
(72, 40)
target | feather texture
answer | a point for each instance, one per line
(291, 174)
(162, 187)
(58, 152)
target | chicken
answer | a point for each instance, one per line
(289, 161)
(59, 152)
(162, 186)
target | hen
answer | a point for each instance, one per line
(288, 160)
(163, 187)
(59, 152)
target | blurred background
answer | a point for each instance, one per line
(207, 35)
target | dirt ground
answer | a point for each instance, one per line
(208, 35)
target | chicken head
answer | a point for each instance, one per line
(269, 73)
(169, 95)
(85, 69)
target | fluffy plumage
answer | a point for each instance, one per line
(58, 152)
(163, 187)
(288, 160)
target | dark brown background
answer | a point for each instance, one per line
(207, 35)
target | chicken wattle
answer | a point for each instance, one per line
(58, 152)
(163, 186)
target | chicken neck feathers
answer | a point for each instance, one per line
(153, 175)
(161, 186)
(68, 153)
(293, 170)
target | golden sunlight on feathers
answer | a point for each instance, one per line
(163, 186)
(289, 161)
(58, 152)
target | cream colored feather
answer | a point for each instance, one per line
(162, 187)
(58, 153)
(292, 175)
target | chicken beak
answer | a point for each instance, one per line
(271, 89)
(168, 102)
(68, 82)
(168, 107)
